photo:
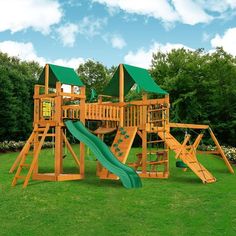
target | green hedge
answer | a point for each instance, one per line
(12, 146)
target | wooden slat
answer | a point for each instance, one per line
(188, 126)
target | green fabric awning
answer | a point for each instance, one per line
(132, 75)
(65, 75)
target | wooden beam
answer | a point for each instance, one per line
(231, 170)
(188, 126)
(71, 150)
(58, 132)
(82, 119)
(121, 93)
(183, 146)
(46, 78)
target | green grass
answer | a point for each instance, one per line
(180, 205)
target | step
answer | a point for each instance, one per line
(25, 165)
(47, 135)
(20, 177)
(156, 141)
(39, 130)
(192, 162)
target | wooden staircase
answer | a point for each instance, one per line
(36, 139)
(120, 148)
(188, 156)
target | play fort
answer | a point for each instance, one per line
(56, 111)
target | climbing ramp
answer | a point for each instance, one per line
(120, 148)
(188, 156)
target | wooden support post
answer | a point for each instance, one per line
(121, 93)
(71, 150)
(196, 143)
(167, 101)
(231, 170)
(58, 132)
(46, 78)
(99, 99)
(36, 121)
(144, 135)
(183, 146)
(144, 151)
(82, 119)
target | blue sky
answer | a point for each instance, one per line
(113, 31)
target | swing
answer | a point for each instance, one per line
(180, 164)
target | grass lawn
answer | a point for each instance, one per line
(180, 205)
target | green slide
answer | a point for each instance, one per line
(128, 176)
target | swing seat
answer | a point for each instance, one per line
(180, 164)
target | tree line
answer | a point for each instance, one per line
(202, 88)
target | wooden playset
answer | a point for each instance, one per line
(56, 110)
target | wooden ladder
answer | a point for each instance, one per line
(40, 132)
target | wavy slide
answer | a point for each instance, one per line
(128, 176)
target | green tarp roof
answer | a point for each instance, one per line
(62, 74)
(132, 75)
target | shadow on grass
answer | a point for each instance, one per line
(186, 179)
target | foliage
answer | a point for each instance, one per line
(95, 76)
(202, 88)
(17, 81)
(13, 146)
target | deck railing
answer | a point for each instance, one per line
(147, 115)
(93, 111)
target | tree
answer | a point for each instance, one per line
(94, 75)
(201, 86)
(16, 94)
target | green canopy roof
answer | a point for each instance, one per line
(62, 74)
(132, 75)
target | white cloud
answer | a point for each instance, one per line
(71, 62)
(24, 51)
(18, 15)
(205, 37)
(190, 12)
(142, 57)
(160, 9)
(67, 34)
(90, 26)
(117, 42)
(170, 11)
(27, 52)
(227, 41)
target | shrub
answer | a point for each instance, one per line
(13, 146)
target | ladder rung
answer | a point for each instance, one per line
(39, 130)
(159, 109)
(155, 141)
(25, 165)
(48, 135)
(20, 177)
(153, 121)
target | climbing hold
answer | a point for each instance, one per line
(126, 136)
(117, 150)
(121, 128)
(123, 132)
(120, 154)
(120, 140)
(115, 145)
